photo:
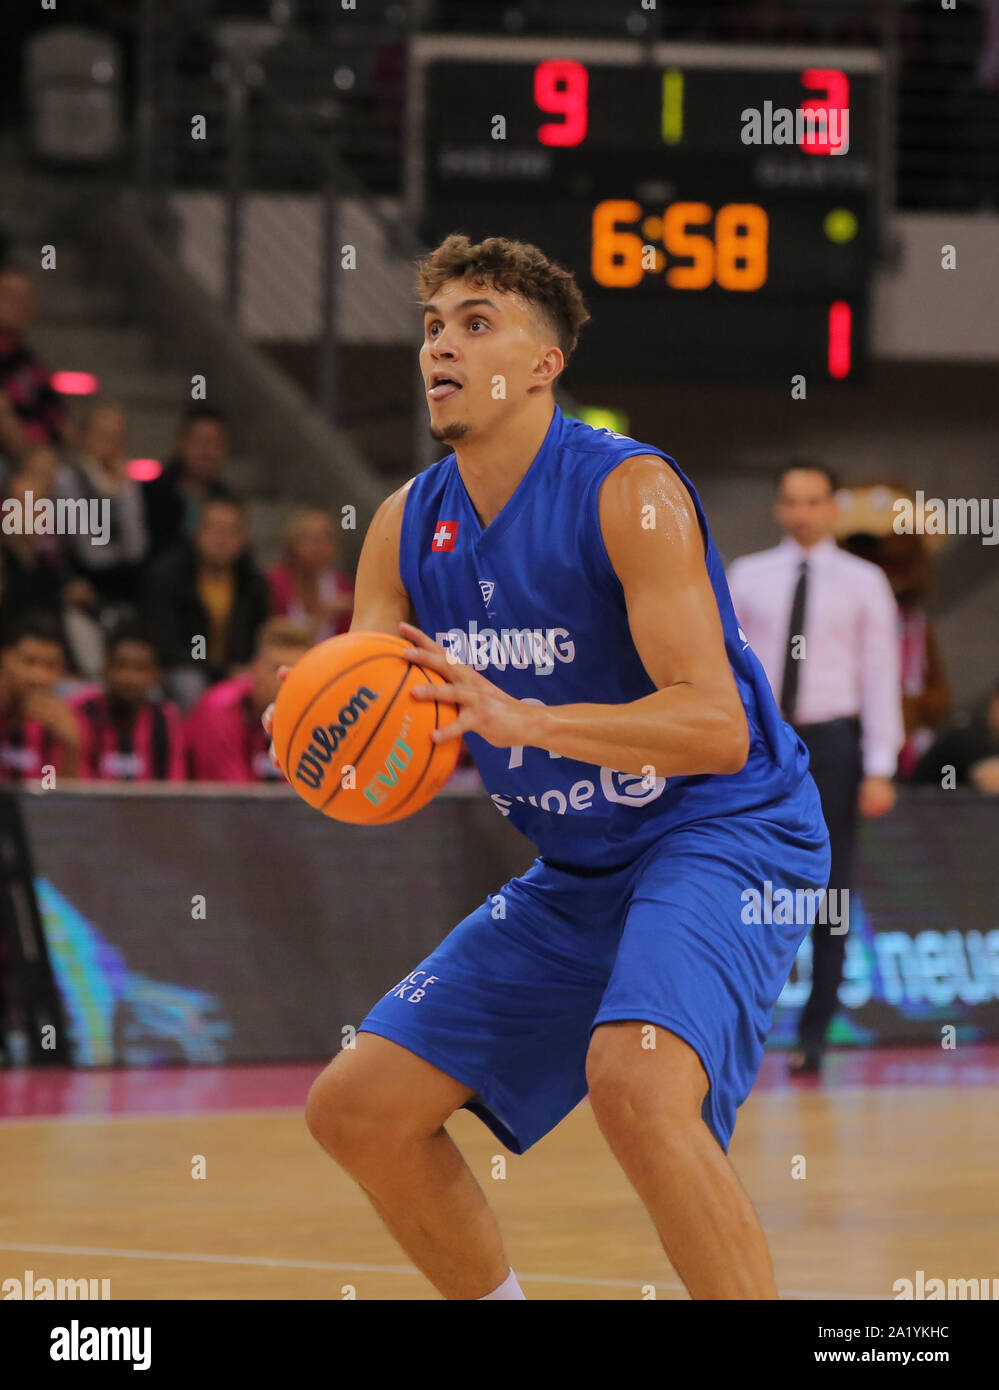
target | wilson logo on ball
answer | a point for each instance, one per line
(313, 761)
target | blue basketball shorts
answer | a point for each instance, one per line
(681, 937)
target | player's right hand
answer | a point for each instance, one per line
(267, 719)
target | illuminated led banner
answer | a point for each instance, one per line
(202, 927)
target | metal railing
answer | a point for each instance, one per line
(246, 110)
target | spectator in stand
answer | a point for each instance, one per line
(189, 479)
(865, 526)
(38, 574)
(126, 733)
(225, 738)
(971, 749)
(36, 568)
(99, 470)
(208, 589)
(925, 693)
(31, 411)
(37, 729)
(40, 466)
(307, 586)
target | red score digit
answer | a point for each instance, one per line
(835, 86)
(561, 87)
(839, 339)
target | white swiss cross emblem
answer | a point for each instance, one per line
(445, 535)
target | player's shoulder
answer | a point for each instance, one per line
(646, 512)
(621, 462)
(588, 441)
(420, 486)
(388, 514)
(639, 478)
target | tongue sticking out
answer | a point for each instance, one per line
(443, 391)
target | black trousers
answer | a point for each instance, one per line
(836, 765)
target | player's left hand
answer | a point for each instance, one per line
(484, 709)
(877, 796)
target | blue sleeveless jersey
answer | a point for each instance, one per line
(533, 602)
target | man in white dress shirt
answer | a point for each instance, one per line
(824, 625)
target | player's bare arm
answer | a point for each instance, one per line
(694, 723)
(380, 601)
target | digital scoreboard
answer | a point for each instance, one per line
(719, 205)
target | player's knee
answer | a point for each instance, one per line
(635, 1070)
(614, 1090)
(341, 1117)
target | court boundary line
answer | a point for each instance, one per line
(337, 1266)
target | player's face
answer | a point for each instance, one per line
(481, 353)
(806, 506)
(132, 672)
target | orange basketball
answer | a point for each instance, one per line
(351, 739)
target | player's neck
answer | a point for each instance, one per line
(493, 465)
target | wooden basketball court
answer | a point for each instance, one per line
(898, 1151)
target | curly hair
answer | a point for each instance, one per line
(512, 267)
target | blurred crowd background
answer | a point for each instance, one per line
(153, 656)
(149, 652)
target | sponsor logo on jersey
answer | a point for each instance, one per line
(487, 587)
(619, 788)
(414, 987)
(519, 647)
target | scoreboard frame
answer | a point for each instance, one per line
(527, 53)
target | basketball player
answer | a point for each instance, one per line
(619, 719)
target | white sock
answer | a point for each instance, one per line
(508, 1289)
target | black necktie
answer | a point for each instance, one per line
(789, 681)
